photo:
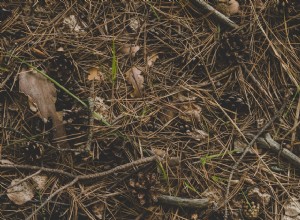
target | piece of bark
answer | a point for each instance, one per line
(183, 202)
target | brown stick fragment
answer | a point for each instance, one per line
(218, 15)
(183, 202)
(269, 143)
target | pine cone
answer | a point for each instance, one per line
(143, 187)
(33, 151)
(233, 47)
(251, 211)
(234, 102)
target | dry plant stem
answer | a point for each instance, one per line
(221, 17)
(269, 143)
(183, 202)
(50, 197)
(235, 166)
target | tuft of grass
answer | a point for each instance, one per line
(114, 65)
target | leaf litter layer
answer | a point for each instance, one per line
(167, 79)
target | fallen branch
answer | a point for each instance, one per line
(183, 202)
(218, 15)
(84, 176)
(268, 142)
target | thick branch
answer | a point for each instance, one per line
(183, 202)
(269, 143)
(218, 15)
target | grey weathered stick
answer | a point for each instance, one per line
(183, 202)
(218, 15)
(269, 143)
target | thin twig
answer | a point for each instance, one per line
(235, 166)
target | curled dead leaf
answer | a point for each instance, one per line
(20, 193)
(134, 77)
(151, 59)
(130, 50)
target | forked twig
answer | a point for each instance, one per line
(235, 166)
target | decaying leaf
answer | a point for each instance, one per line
(98, 210)
(151, 59)
(73, 24)
(103, 109)
(135, 78)
(20, 193)
(128, 49)
(42, 93)
(95, 74)
(292, 208)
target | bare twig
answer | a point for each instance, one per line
(218, 15)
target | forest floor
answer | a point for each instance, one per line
(106, 107)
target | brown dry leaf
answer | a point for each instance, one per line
(151, 59)
(42, 93)
(127, 49)
(135, 78)
(20, 193)
(95, 74)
